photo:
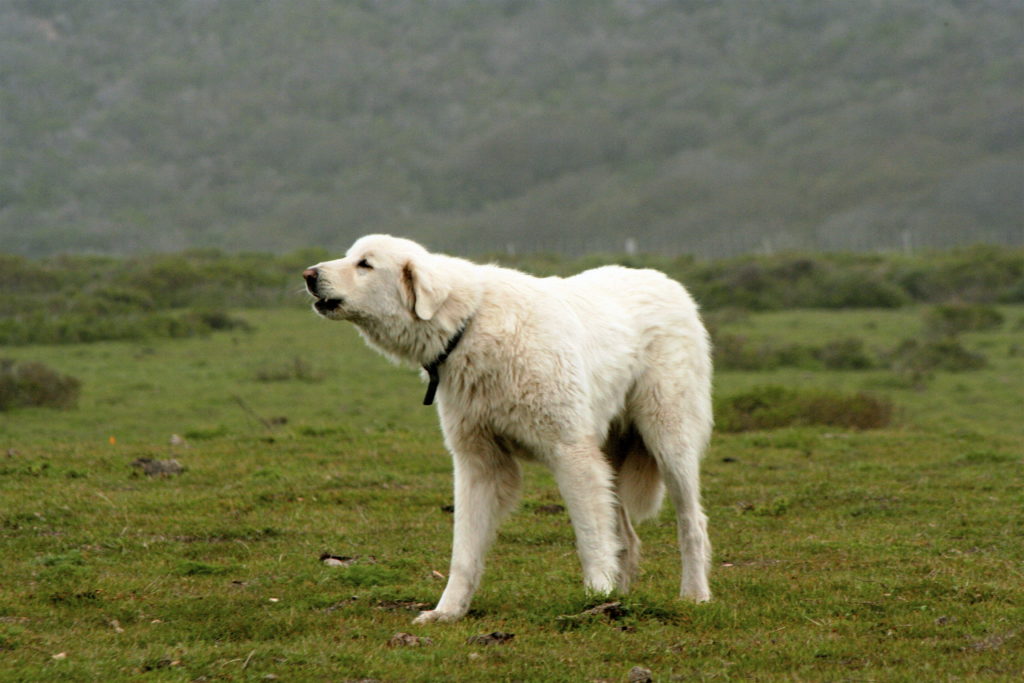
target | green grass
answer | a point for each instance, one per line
(890, 554)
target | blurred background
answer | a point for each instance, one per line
(511, 126)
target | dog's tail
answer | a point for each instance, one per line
(640, 488)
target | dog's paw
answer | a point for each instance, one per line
(697, 595)
(433, 615)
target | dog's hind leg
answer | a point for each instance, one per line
(694, 544)
(674, 420)
(487, 483)
(586, 481)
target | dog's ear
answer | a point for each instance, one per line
(424, 287)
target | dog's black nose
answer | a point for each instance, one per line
(311, 275)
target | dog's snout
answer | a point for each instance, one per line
(311, 275)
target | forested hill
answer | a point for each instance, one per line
(712, 127)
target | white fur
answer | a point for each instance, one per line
(605, 377)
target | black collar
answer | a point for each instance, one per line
(433, 366)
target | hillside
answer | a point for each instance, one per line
(707, 127)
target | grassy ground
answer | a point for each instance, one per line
(887, 555)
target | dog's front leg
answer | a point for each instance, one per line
(486, 488)
(585, 480)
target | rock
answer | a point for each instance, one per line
(639, 674)
(408, 640)
(158, 468)
(493, 638)
(612, 610)
(337, 561)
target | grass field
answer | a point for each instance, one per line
(895, 554)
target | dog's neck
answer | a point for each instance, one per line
(434, 366)
(422, 348)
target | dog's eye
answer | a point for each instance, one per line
(364, 264)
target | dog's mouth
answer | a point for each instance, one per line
(327, 305)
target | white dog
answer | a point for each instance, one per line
(605, 377)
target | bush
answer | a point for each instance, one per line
(951, 319)
(844, 354)
(735, 352)
(915, 356)
(857, 289)
(980, 273)
(772, 283)
(35, 384)
(79, 327)
(215, 321)
(114, 300)
(773, 407)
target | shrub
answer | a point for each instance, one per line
(924, 356)
(980, 273)
(111, 300)
(844, 354)
(215, 320)
(35, 384)
(735, 352)
(773, 407)
(855, 289)
(80, 326)
(772, 283)
(952, 319)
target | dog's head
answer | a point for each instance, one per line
(380, 278)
